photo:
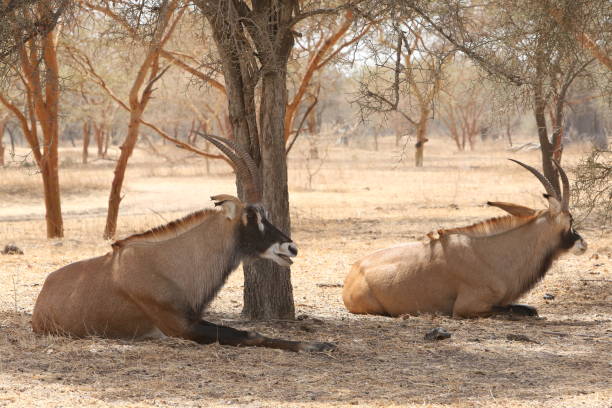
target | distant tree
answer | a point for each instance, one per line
(4, 118)
(464, 103)
(34, 97)
(592, 188)
(403, 74)
(538, 49)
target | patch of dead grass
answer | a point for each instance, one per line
(360, 202)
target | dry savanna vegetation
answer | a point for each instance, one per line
(349, 125)
(360, 201)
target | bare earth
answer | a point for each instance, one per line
(361, 201)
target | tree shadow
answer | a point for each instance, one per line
(378, 361)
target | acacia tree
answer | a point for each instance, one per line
(463, 102)
(404, 76)
(538, 50)
(162, 26)
(38, 71)
(254, 41)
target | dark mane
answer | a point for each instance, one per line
(169, 230)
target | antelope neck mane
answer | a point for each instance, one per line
(169, 230)
(492, 226)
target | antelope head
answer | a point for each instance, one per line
(558, 214)
(257, 236)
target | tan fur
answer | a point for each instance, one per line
(464, 272)
(167, 231)
(177, 264)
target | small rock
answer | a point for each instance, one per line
(437, 334)
(549, 296)
(11, 249)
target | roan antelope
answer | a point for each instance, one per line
(472, 271)
(159, 283)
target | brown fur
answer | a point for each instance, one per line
(111, 295)
(465, 272)
(167, 231)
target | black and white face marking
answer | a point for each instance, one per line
(572, 241)
(259, 238)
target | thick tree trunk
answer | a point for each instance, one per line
(267, 290)
(268, 293)
(86, 136)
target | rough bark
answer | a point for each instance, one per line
(268, 292)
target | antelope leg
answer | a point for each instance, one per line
(207, 332)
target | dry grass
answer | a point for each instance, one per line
(361, 201)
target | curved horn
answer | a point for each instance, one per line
(550, 190)
(243, 173)
(565, 197)
(248, 160)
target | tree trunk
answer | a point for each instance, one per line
(99, 136)
(2, 147)
(421, 139)
(546, 148)
(115, 198)
(86, 136)
(47, 112)
(268, 293)
(106, 136)
(509, 133)
(53, 210)
(267, 288)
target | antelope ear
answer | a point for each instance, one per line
(230, 204)
(513, 209)
(554, 206)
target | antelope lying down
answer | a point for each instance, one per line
(467, 272)
(158, 283)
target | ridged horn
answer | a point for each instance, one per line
(565, 197)
(247, 159)
(550, 190)
(241, 165)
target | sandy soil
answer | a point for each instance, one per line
(361, 201)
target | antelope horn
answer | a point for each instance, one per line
(242, 171)
(550, 190)
(246, 157)
(566, 187)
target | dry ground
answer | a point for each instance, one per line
(361, 201)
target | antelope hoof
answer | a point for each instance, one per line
(317, 347)
(523, 310)
(516, 310)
